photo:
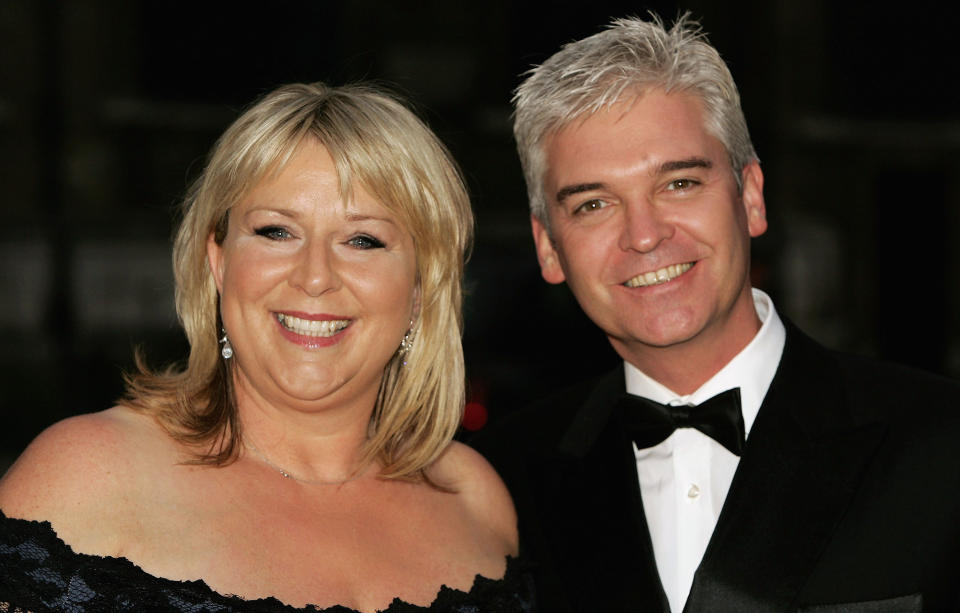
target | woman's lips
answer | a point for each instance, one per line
(315, 331)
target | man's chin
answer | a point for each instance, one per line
(659, 340)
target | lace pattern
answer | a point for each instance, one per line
(39, 573)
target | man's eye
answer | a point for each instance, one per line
(365, 241)
(274, 233)
(589, 206)
(679, 185)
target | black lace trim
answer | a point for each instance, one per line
(39, 572)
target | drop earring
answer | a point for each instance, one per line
(406, 343)
(227, 350)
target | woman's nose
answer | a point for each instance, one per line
(316, 271)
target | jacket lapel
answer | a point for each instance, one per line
(802, 463)
(608, 558)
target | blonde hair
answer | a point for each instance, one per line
(376, 142)
(630, 56)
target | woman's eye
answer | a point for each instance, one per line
(274, 233)
(365, 241)
(589, 206)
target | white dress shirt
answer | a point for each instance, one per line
(684, 480)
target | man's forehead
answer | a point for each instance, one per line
(662, 134)
(614, 111)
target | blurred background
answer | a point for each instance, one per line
(107, 109)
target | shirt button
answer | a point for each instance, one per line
(693, 492)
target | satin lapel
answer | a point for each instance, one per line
(803, 461)
(608, 556)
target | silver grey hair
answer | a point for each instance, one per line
(629, 57)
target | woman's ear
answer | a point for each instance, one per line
(215, 259)
(415, 311)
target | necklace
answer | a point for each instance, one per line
(286, 474)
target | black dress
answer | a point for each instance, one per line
(39, 572)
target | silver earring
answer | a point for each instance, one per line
(406, 343)
(227, 350)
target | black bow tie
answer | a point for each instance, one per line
(650, 423)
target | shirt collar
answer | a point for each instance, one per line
(751, 370)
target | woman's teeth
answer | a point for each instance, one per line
(310, 327)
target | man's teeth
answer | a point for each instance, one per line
(659, 276)
(308, 327)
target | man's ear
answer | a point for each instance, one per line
(215, 259)
(752, 198)
(546, 253)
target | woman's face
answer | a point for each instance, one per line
(315, 293)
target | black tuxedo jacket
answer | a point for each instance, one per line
(846, 498)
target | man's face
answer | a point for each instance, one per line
(649, 229)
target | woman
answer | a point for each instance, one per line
(303, 456)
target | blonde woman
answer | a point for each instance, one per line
(303, 455)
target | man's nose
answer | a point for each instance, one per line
(645, 226)
(316, 270)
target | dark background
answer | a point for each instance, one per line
(108, 107)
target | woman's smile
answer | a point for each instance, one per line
(312, 333)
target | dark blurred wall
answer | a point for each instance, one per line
(107, 109)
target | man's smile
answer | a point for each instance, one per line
(657, 277)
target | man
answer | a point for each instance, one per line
(831, 486)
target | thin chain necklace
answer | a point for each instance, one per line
(287, 474)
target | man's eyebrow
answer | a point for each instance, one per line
(570, 190)
(670, 166)
(685, 164)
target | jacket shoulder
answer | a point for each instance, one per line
(915, 402)
(870, 386)
(538, 428)
(897, 390)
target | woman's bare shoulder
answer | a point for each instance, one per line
(483, 493)
(78, 466)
